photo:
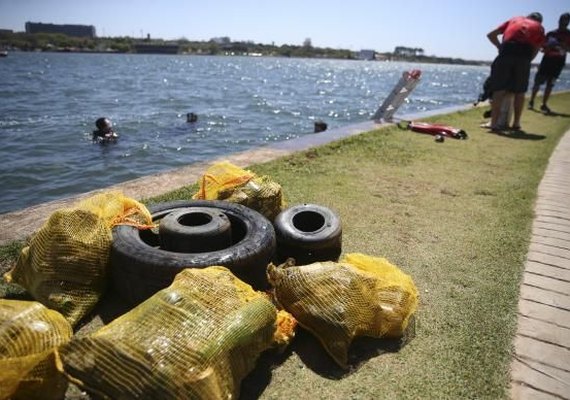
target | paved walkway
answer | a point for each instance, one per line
(541, 366)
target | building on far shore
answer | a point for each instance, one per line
(366, 55)
(157, 47)
(150, 48)
(87, 31)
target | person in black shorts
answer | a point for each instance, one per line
(553, 61)
(522, 37)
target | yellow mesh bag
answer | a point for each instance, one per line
(196, 339)
(29, 332)
(358, 296)
(225, 181)
(117, 209)
(65, 265)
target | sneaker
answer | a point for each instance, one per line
(545, 109)
(530, 105)
(493, 129)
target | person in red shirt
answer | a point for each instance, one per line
(510, 71)
(553, 61)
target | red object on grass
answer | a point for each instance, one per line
(435, 129)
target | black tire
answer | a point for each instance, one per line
(195, 230)
(308, 233)
(140, 268)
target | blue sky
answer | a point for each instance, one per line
(445, 28)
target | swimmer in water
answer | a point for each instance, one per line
(191, 117)
(104, 132)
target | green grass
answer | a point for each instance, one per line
(456, 216)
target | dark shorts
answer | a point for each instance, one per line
(511, 69)
(549, 70)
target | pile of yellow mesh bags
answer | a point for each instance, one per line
(65, 265)
(225, 181)
(336, 302)
(196, 339)
(29, 334)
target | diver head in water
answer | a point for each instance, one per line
(191, 117)
(104, 132)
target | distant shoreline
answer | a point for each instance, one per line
(50, 42)
(418, 59)
(387, 57)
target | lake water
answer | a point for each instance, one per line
(49, 102)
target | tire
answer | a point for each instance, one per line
(195, 230)
(308, 233)
(140, 268)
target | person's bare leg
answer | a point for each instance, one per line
(498, 97)
(547, 92)
(533, 95)
(519, 105)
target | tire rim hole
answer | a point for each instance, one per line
(150, 238)
(239, 229)
(195, 219)
(308, 221)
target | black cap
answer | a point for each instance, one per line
(536, 16)
(103, 123)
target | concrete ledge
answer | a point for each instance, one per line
(18, 225)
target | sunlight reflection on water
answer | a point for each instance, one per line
(51, 100)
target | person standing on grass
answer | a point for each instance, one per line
(522, 37)
(553, 61)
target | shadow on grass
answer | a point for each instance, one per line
(112, 306)
(12, 291)
(109, 307)
(551, 113)
(253, 385)
(521, 135)
(314, 357)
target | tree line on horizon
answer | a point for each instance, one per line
(217, 46)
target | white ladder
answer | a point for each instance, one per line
(398, 95)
